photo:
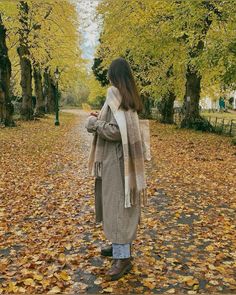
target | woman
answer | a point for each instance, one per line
(117, 162)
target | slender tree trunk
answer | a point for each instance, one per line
(6, 107)
(49, 92)
(147, 106)
(40, 102)
(167, 108)
(26, 84)
(25, 63)
(192, 118)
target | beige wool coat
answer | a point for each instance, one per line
(119, 223)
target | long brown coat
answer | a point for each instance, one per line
(119, 223)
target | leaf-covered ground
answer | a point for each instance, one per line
(49, 242)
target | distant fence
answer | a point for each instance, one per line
(221, 125)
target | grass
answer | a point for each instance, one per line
(222, 122)
(223, 115)
(70, 107)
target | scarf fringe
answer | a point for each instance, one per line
(132, 200)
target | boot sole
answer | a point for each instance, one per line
(121, 274)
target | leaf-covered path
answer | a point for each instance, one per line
(49, 241)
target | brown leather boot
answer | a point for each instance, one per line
(119, 268)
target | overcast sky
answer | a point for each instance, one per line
(89, 28)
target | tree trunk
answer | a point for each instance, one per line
(25, 63)
(167, 108)
(192, 94)
(40, 102)
(6, 107)
(192, 118)
(147, 107)
(49, 92)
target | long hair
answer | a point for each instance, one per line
(120, 75)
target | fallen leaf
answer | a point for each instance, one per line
(29, 282)
(108, 290)
(64, 276)
(54, 290)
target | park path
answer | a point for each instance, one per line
(176, 249)
(186, 242)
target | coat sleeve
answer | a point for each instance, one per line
(106, 130)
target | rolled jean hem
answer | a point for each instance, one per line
(121, 251)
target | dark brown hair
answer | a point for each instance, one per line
(120, 75)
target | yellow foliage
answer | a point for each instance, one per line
(96, 90)
(53, 39)
(86, 107)
(156, 36)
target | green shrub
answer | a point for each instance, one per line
(200, 124)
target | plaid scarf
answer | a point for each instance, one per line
(133, 148)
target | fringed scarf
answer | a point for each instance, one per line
(135, 151)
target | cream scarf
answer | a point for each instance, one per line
(136, 148)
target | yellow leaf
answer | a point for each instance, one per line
(98, 281)
(68, 247)
(230, 280)
(45, 283)
(29, 282)
(214, 282)
(189, 280)
(21, 290)
(108, 290)
(221, 269)
(185, 278)
(149, 284)
(192, 282)
(171, 291)
(62, 257)
(210, 248)
(64, 276)
(82, 286)
(38, 277)
(195, 287)
(137, 272)
(12, 288)
(55, 290)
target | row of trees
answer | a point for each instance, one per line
(177, 49)
(37, 38)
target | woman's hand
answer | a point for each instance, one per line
(95, 114)
(90, 123)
